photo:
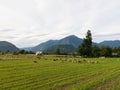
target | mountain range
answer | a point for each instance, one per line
(66, 45)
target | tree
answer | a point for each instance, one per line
(85, 49)
(106, 51)
(22, 52)
(95, 51)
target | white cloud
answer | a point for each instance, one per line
(30, 22)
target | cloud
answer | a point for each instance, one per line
(30, 22)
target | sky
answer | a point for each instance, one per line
(27, 23)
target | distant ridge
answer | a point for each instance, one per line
(7, 47)
(68, 44)
(114, 43)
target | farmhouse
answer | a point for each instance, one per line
(39, 53)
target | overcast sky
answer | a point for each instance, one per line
(29, 22)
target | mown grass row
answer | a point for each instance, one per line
(47, 74)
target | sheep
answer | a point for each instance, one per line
(70, 60)
(96, 62)
(62, 61)
(66, 59)
(84, 60)
(75, 61)
(35, 61)
(91, 62)
(54, 60)
(79, 61)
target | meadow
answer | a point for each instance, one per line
(51, 72)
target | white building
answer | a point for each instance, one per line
(39, 53)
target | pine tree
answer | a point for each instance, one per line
(85, 49)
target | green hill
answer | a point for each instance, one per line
(7, 47)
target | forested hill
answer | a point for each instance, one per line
(7, 47)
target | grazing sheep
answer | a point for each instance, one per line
(54, 59)
(62, 61)
(91, 62)
(84, 60)
(79, 61)
(88, 61)
(74, 61)
(35, 61)
(70, 60)
(65, 59)
(97, 62)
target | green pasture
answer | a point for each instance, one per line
(29, 72)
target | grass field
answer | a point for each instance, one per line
(27, 72)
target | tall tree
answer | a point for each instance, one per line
(85, 49)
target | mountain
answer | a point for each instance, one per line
(66, 45)
(7, 46)
(43, 46)
(63, 49)
(115, 43)
(70, 40)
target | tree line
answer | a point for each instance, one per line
(86, 49)
(23, 52)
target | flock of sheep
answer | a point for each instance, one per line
(63, 60)
(76, 61)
